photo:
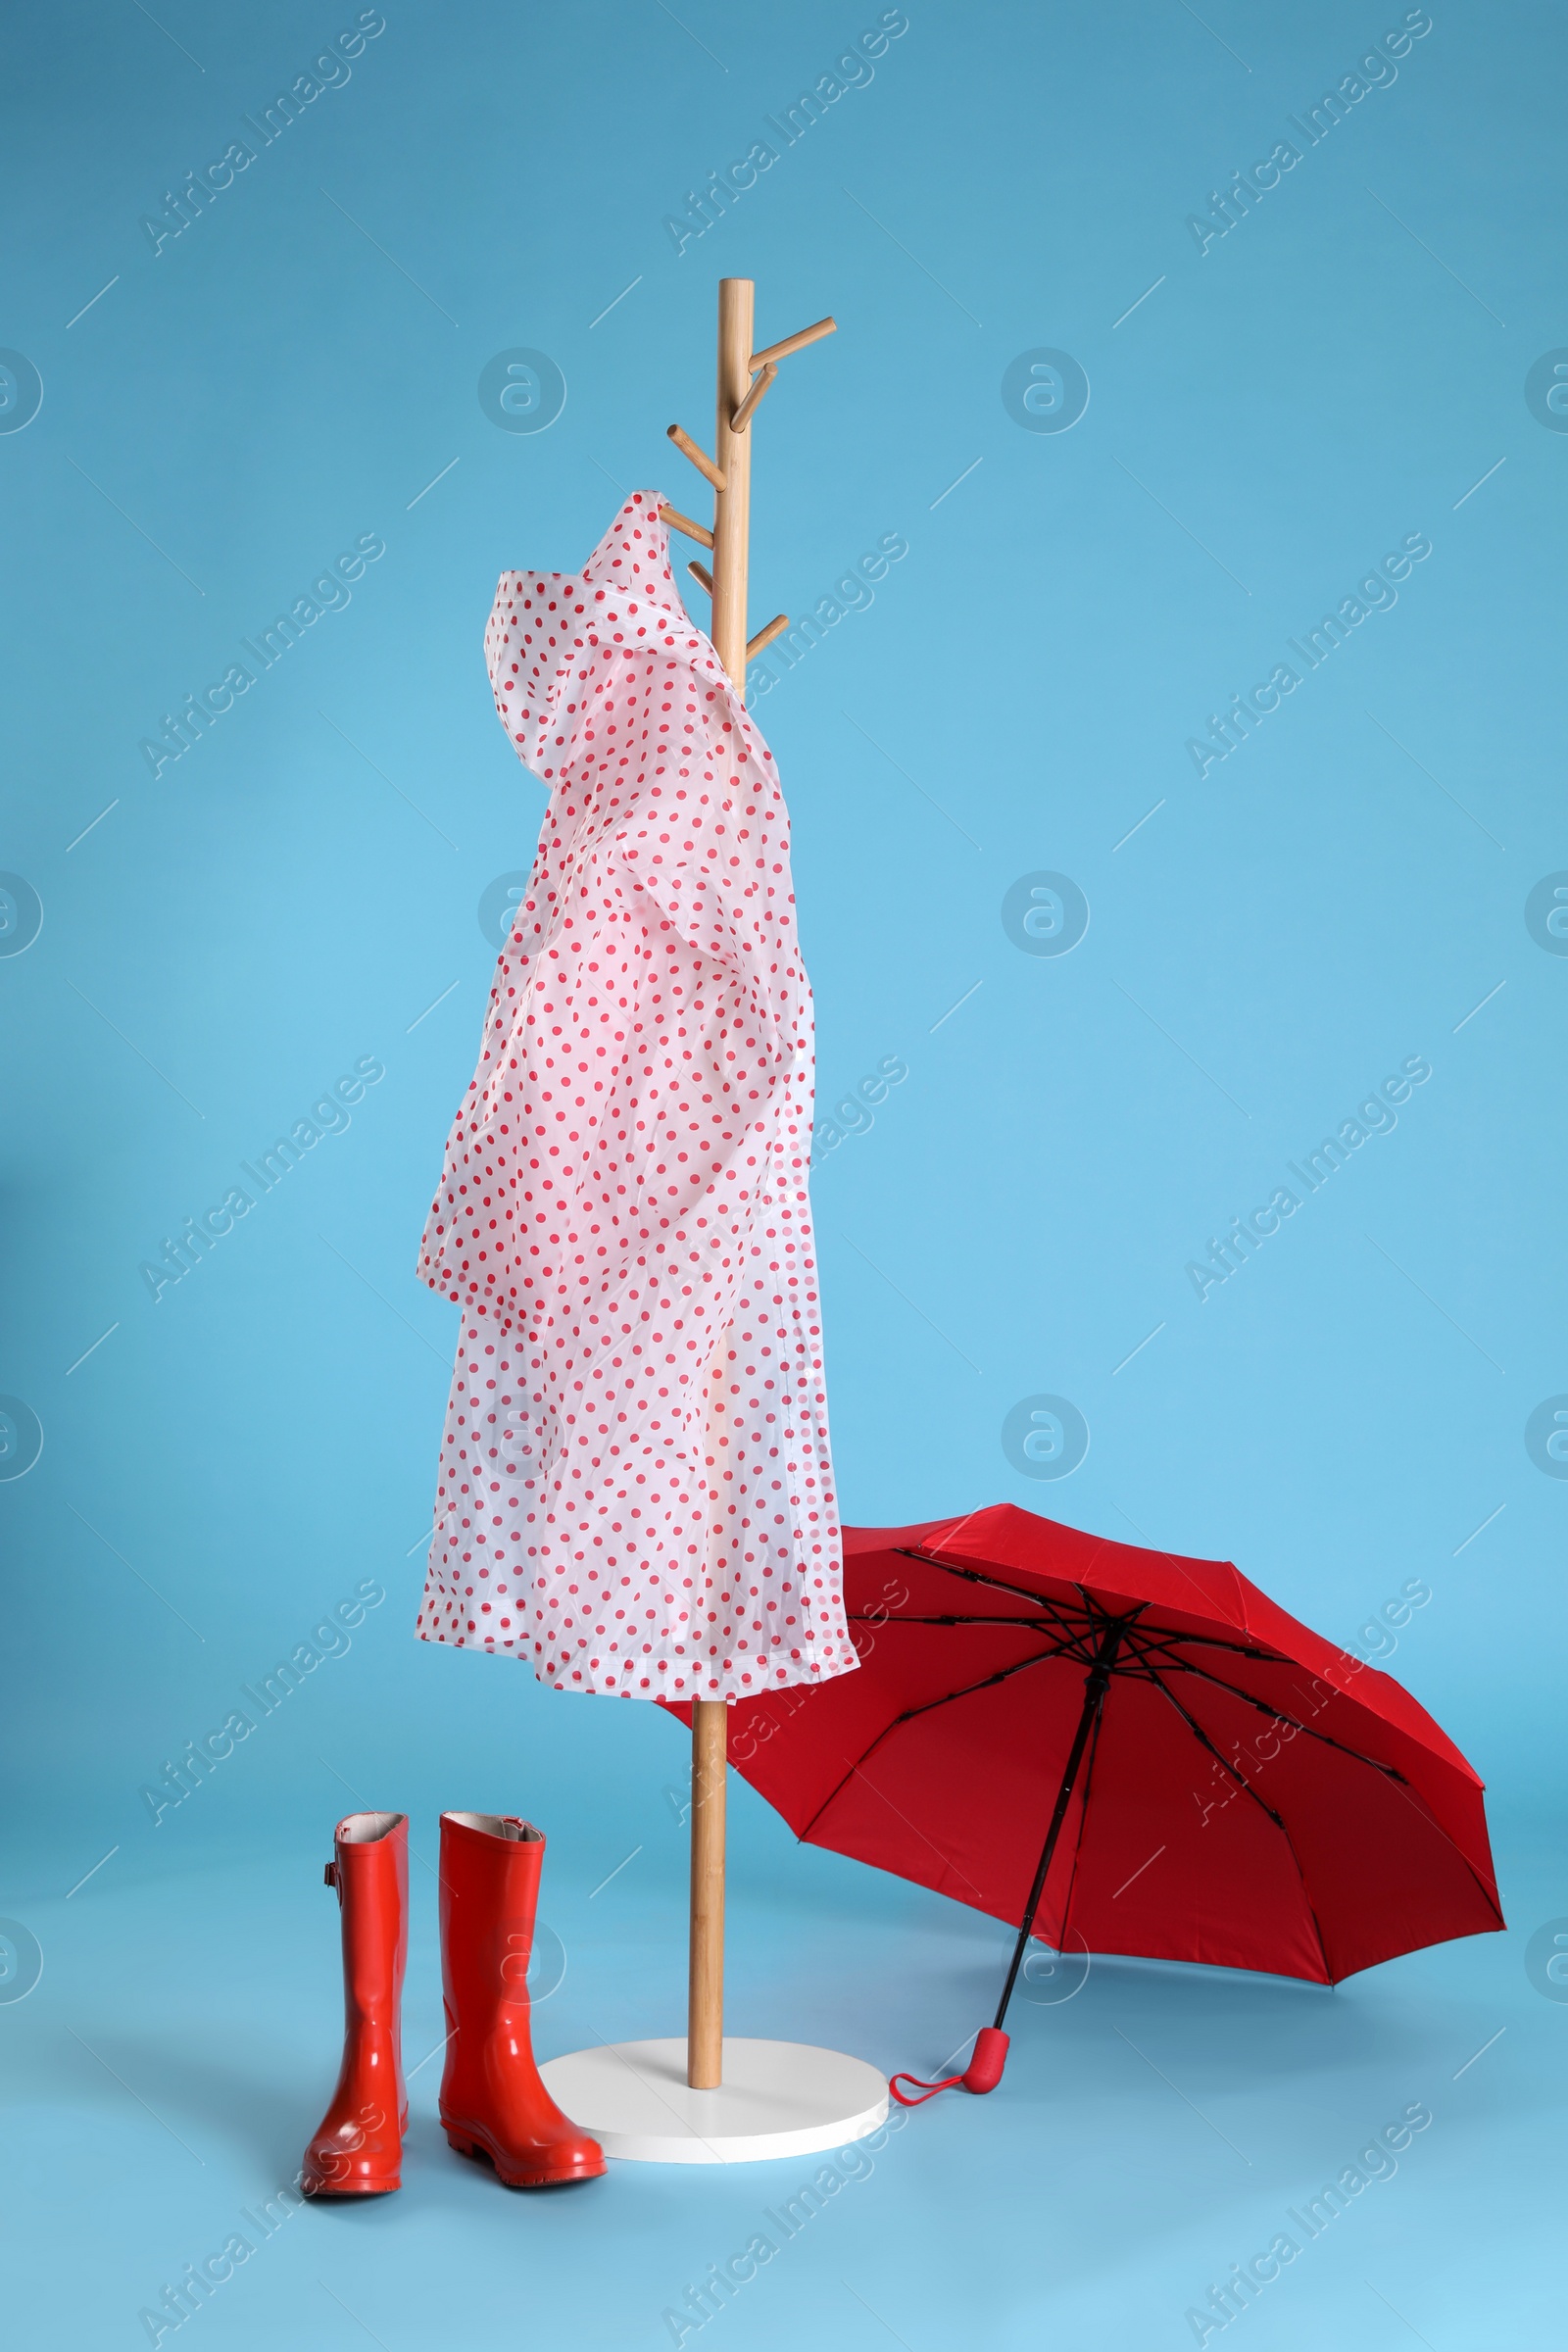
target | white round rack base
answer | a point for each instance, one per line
(777, 2098)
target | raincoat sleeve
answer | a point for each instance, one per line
(692, 844)
(676, 1147)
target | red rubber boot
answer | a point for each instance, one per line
(357, 2148)
(492, 2101)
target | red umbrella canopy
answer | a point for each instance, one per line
(1123, 1751)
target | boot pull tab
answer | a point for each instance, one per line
(329, 1877)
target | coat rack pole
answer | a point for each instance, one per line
(782, 2098)
(705, 2012)
(732, 451)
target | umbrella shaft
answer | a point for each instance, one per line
(1095, 1688)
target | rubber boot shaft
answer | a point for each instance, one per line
(492, 2101)
(357, 2148)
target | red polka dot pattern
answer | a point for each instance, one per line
(636, 1491)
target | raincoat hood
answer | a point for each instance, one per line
(551, 633)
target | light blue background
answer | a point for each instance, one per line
(300, 890)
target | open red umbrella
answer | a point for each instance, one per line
(1121, 1750)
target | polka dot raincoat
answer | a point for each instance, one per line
(635, 1485)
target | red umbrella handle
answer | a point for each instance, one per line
(983, 2071)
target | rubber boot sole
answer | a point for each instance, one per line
(474, 2144)
(361, 2188)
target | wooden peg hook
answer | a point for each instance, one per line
(743, 414)
(677, 521)
(698, 457)
(766, 636)
(781, 351)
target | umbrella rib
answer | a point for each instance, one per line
(1153, 1640)
(1154, 1646)
(1277, 1715)
(1390, 1772)
(887, 1617)
(975, 1576)
(1198, 1734)
(1094, 1618)
(1021, 1593)
(925, 1707)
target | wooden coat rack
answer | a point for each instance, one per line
(756, 2099)
(745, 376)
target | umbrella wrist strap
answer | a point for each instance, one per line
(922, 2090)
